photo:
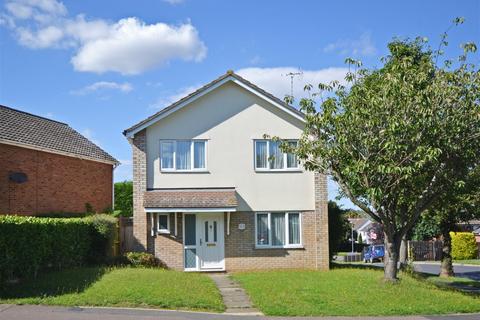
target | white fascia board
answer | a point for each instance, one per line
(196, 210)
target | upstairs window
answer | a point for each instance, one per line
(183, 155)
(269, 156)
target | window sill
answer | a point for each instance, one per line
(163, 231)
(184, 171)
(299, 246)
(278, 170)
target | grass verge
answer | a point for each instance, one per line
(119, 287)
(471, 261)
(349, 292)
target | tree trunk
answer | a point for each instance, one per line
(403, 252)
(446, 269)
(392, 248)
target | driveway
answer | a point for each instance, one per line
(27, 312)
(471, 272)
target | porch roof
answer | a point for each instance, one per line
(188, 199)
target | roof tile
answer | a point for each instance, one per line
(25, 128)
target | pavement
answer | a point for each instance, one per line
(234, 296)
(30, 312)
(461, 270)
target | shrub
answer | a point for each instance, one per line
(464, 245)
(143, 259)
(29, 244)
(103, 234)
(124, 198)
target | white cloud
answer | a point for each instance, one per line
(40, 39)
(90, 135)
(128, 46)
(255, 60)
(277, 82)
(104, 85)
(363, 46)
(133, 47)
(174, 2)
(163, 102)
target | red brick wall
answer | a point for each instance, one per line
(55, 183)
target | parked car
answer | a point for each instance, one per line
(374, 253)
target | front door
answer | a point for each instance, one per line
(210, 234)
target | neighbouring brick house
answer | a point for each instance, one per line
(47, 167)
(211, 193)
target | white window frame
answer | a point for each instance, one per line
(287, 243)
(163, 231)
(192, 156)
(285, 168)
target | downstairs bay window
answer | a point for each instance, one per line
(278, 230)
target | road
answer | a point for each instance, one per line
(28, 312)
(471, 272)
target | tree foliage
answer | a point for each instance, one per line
(398, 137)
(124, 198)
(338, 226)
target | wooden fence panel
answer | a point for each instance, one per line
(425, 250)
(125, 234)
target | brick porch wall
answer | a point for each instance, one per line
(140, 227)
(56, 183)
(168, 247)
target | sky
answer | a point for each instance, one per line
(102, 66)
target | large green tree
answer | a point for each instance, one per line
(460, 204)
(397, 137)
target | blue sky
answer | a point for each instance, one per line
(102, 66)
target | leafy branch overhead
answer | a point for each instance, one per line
(396, 138)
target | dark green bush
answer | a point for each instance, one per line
(124, 198)
(103, 234)
(30, 244)
(143, 259)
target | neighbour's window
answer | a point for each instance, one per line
(163, 223)
(278, 229)
(183, 155)
(269, 156)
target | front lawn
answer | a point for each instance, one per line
(349, 292)
(472, 261)
(122, 287)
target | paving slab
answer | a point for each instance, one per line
(234, 296)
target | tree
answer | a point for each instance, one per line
(398, 137)
(427, 227)
(460, 204)
(338, 227)
(124, 198)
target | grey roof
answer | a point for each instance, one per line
(27, 129)
(229, 73)
(191, 198)
(358, 223)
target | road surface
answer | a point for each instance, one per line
(26, 312)
(471, 272)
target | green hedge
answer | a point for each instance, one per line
(30, 244)
(464, 245)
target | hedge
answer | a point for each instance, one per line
(30, 244)
(464, 245)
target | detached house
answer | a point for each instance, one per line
(47, 167)
(212, 194)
